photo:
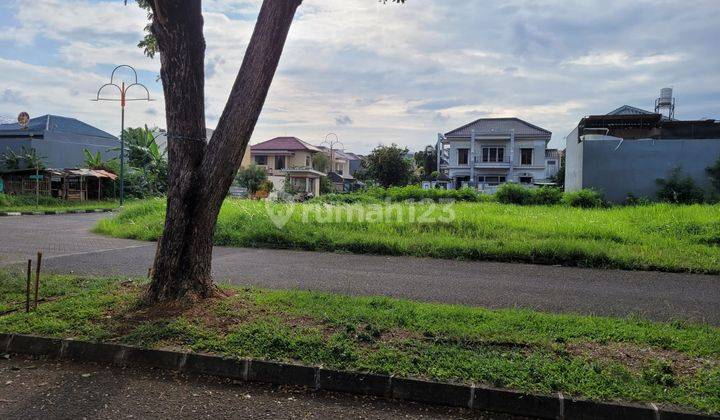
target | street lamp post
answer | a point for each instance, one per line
(123, 99)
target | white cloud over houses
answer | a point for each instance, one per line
(377, 73)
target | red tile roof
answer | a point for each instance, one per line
(284, 143)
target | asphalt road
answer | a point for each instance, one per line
(68, 246)
(37, 389)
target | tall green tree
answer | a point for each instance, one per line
(200, 172)
(321, 162)
(389, 166)
(427, 160)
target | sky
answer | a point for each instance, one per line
(380, 74)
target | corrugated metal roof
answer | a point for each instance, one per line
(96, 173)
(499, 126)
(53, 123)
(284, 143)
(629, 110)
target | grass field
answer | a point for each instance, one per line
(12, 203)
(599, 358)
(655, 237)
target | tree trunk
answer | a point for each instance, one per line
(200, 176)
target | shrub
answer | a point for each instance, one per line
(547, 196)
(585, 198)
(679, 189)
(514, 194)
(251, 177)
(400, 194)
(714, 174)
(632, 200)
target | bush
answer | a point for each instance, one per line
(266, 186)
(400, 194)
(632, 200)
(585, 198)
(514, 194)
(678, 189)
(251, 177)
(547, 196)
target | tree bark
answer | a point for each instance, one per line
(200, 176)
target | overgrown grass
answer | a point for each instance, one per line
(15, 203)
(593, 357)
(654, 237)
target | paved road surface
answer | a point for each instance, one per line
(35, 389)
(68, 246)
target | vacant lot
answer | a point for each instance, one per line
(654, 237)
(600, 358)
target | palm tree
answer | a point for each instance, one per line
(11, 160)
(33, 159)
(141, 148)
(96, 162)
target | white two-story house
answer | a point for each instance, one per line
(492, 151)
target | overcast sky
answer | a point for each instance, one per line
(376, 73)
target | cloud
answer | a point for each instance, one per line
(404, 73)
(624, 60)
(12, 96)
(343, 120)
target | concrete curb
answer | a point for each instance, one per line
(50, 212)
(474, 397)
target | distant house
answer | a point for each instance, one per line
(355, 162)
(342, 182)
(491, 151)
(291, 157)
(552, 162)
(60, 140)
(627, 150)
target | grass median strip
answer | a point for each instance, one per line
(661, 237)
(26, 203)
(599, 358)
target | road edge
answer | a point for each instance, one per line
(475, 397)
(52, 212)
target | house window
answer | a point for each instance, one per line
(463, 155)
(493, 154)
(526, 157)
(279, 162)
(492, 180)
(307, 161)
(261, 160)
(551, 162)
(526, 180)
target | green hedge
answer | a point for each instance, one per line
(506, 194)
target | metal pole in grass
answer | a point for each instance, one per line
(27, 287)
(37, 277)
(122, 99)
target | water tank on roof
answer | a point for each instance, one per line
(665, 96)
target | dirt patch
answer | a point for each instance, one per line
(637, 357)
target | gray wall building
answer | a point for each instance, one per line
(60, 140)
(626, 152)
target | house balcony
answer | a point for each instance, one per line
(503, 164)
